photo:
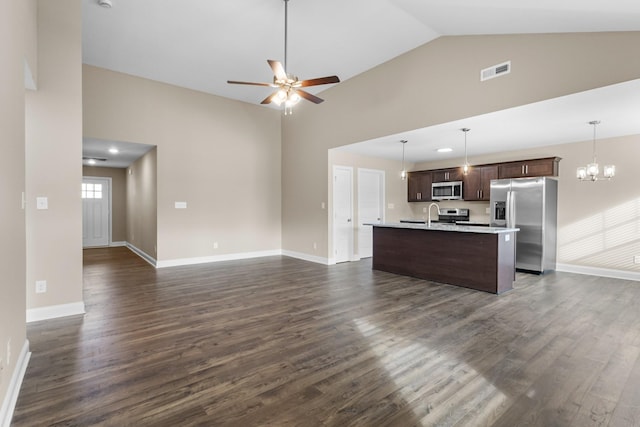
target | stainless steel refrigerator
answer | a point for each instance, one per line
(529, 204)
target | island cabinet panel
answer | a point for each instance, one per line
(528, 168)
(419, 186)
(445, 175)
(484, 262)
(477, 183)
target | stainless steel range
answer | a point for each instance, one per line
(452, 215)
(447, 215)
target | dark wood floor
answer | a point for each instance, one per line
(282, 342)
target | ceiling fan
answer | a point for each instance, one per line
(288, 85)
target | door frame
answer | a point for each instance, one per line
(332, 258)
(382, 176)
(109, 180)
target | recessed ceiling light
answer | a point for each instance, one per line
(113, 150)
(91, 161)
(105, 3)
(444, 150)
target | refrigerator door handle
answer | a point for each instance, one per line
(511, 209)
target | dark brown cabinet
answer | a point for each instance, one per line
(526, 168)
(419, 186)
(477, 183)
(445, 175)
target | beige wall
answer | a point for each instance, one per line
(118, 198)
(598, 222)
(142, 204)
(220, 156)
(53, 153)
(13, 21)
(435, 83)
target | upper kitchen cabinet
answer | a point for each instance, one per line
(477, 183)
(445, 175)
(419, 186)
(527, 168)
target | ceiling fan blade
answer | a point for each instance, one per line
(278, 69)
(309, 97)
(268, 99)
(320, 81)
(234, 82)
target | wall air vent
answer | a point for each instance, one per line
(495, 71)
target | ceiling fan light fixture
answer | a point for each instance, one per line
(293, 98)
(288, 86)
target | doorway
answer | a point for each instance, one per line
(96, 209)
(370, 207)
(342, 213)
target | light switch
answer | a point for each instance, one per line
(42, 203)
(181, 205)
(390, 206)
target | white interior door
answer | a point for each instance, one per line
(96, 221)
(342, 213)
(370, 208)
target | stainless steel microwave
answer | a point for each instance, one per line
(446, 190)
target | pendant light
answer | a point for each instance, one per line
(465, 167)
(592, 170)
(403, 173)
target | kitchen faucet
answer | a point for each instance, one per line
(438, 207)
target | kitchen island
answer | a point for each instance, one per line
(481, 258)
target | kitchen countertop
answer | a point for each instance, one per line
(447, 227)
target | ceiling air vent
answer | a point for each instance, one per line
(495, 71)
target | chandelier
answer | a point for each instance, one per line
(592, 170)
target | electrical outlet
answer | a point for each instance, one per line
(315, 245)
(215, 245)
(41, 286)
(488, 210)
(636, 259)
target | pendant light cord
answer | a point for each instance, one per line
(594, 123)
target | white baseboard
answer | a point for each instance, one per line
(596, 271)
(117, 244)
(216, 258)
(54, 311)
(307, 257)
(10, 399)
(142, 254)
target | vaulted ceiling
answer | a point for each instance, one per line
(200, 44)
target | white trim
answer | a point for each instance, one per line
(350, 250)
(307, 257)
(216, 258)
(109, 180)
(596, 271)
(142, 254)
(117, 244)
(10, 399)
(55, 311)
(381, 175)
